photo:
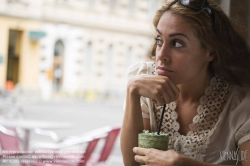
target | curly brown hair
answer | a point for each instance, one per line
(230, 50)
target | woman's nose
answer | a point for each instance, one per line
(163, 53)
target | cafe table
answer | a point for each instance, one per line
(30, 125)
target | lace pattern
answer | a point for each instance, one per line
(195, 142)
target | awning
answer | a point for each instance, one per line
(36, 35)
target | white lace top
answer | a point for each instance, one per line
(221, 125)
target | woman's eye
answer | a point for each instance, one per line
(158, 41)
(177, 44)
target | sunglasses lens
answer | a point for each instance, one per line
(194, 4)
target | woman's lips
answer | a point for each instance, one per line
(163, 71)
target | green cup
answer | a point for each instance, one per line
(153, 140)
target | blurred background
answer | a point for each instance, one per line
(65, 60)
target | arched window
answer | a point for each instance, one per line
(59, 48)
(58, 65)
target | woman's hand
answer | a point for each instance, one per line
(154, 157)
(158, 88)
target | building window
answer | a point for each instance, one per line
(109, 60)
(131, 6)
(91, 3)
(21, 2)
(59, 48)
(112, 4)
(61, 1)
(152, 7)
(88, 58)
(58, 65)
(129, 57)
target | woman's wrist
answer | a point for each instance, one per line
(132, 89)
(180, 160)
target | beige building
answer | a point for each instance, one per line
(19, 52)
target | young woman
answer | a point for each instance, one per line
(201, 72)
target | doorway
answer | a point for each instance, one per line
(14, 46)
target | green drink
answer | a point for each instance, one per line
(153, 140)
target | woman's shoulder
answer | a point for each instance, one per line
(144, 67)
(240, 94)
(239, 113)
(239, 100)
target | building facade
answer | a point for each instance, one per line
(90, 44)
(79, 47)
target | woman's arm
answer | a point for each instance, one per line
(245, 153)
(146, 124)
(158, 88)
(153, 157)
(132, 125)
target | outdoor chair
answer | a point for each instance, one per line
(107, 148)
(9, 141)
(108, 134)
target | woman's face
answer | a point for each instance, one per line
(179, 54)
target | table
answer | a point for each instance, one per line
(29, 125)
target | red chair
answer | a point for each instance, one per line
(85, 157)
(89, 150)
(108, 134)
(9, 141)
(107, 148)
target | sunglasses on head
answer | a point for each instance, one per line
(196, 5)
